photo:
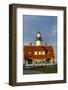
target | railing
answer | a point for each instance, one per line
(48, 64)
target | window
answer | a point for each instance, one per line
(40, 62)
(35, 52)
(43, 53)
(29, 61)
(39, 52)
(48, 60)
(43, 61)
(36, 62)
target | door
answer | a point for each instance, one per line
(29, 61)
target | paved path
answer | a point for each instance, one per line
(31, 72)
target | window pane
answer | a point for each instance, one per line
(43, 53)
(35, 52)
(39, 52)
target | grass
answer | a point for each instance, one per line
(45, 69)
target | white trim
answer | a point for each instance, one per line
(43, 52)
(35, 52)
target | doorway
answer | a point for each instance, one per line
(29, 61)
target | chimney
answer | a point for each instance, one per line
(30, 44)
(45, 44)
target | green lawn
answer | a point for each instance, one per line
(45, 69)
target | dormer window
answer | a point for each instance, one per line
(39, 52)
(35, 52)
(43, 52)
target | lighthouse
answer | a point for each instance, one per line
(38, 39)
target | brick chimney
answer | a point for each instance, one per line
(30, 44)
(45, 44)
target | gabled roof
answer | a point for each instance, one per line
(29, 52)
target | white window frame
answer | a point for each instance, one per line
(39, 52)
(43, 52)
(35, 53)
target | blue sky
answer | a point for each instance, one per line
(46, 25)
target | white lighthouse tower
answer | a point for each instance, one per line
(38, 39)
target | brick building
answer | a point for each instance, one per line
(38, 54)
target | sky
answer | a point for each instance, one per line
(46, 25)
